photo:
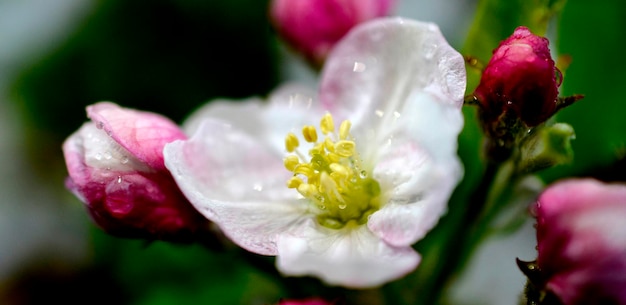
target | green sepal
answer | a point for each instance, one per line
(545, 147)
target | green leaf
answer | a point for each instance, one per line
(593, 35)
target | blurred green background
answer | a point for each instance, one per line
(172, 56)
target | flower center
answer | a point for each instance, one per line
(332, 176)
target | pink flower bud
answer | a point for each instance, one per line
(581, 234)
(520, 83)
(314, 26)
(116, 168)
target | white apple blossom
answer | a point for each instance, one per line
(370, 173)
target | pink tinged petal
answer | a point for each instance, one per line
(379, 65)
(581, 240)
(237, 182)
(144, 134)
(125, 196)
(353, 258)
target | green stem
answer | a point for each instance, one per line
(484, 205)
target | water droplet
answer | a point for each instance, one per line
(98, 156)
(396, 114)
(558, 76)
(379, 113)
(363, 174)
(107, 155)
(125, 160)
(342, 206)
(119, 179)
(509, 103)
(321, 207)
(359, 67)
(100, 125)
(258, 187)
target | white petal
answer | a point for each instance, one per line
(235, 181)
(290, 108)
(242, 114)
(376, 68)
(352, 258)
(417, 163)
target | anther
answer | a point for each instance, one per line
(345, 148)
(294, 182)
(291, 162)
(307, 190)
(333, 157)
(327, 125)
(344, 129)
(309, 133)
(329, 145)
(304, 169)
(291, 142)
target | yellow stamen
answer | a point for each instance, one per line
(327, 125)
(344, 129)
(345, 148)
(333, 179)
(294, 182)
(339, 169)
(291, 142)
(309, 133)
(304, 169)
(307, 190)
(291, 162)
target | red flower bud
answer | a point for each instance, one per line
(581, 235)
(520, 83)
(116, 168)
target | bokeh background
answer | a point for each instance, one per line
(57, 56)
